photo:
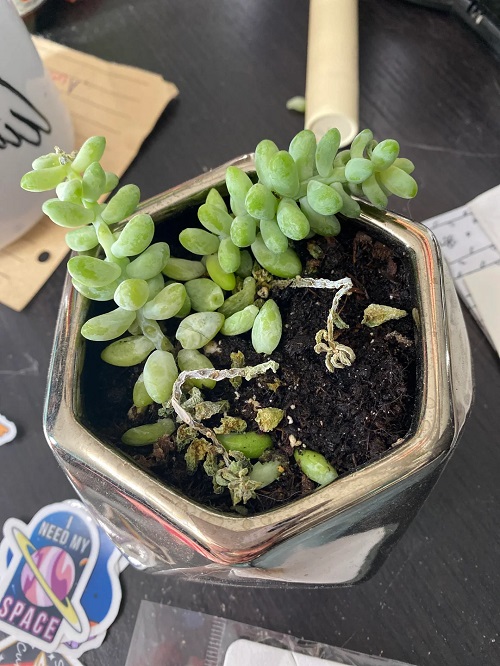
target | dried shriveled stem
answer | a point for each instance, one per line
(249, 372)
(337, 355)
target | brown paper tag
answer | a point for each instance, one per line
(119, 102)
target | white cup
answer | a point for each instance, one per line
(32, 121)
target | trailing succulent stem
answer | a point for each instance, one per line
(236, 255)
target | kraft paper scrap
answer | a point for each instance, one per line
(119, 102)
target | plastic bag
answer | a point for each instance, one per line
(169, 636)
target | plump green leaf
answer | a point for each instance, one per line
(149, 433)
(267, 328)
(285, 265)
(251, 444)
(204, 294)
(122, 204)
(284, 174)
(303, 148)
(160, 373)
(132, 294)
(167, 303)
(42, 180)
(315, 466)
(151, 262)
(127, 351)
(108, 326)
(91, 151)
(196, 330)
(323, 198)
(135, 236)
(192, 359)
(183, 269)
(226, 281)
(199, 241)
(67, 214)
(94, 182)
(93, 272)
(326, 151)
(82, 239)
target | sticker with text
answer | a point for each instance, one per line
(41, 589)
(14, 652)
(101, 598)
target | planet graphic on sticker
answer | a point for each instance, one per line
(47, 577)
(58, 570)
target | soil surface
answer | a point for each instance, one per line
(353, 416)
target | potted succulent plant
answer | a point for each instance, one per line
(269, 390)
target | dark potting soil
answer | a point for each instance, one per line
(352, 416)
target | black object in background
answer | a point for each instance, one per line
(483, 16)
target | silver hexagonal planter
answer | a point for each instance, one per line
(335, 536)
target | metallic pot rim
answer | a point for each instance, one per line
(231, 539)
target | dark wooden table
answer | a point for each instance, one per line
(425, 80)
